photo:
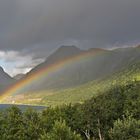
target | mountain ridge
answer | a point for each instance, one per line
(5, 79)
(104, 63)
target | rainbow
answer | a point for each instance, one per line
(38, 75)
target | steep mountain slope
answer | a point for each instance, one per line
(19, 76)
(60, 54)
(5, 79)
(71, 74)
(99, 64)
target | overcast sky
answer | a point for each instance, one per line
(32, 29)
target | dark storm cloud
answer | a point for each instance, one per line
(37, 27)
(25, 24)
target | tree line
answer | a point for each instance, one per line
(113, 115)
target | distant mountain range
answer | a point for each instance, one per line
(98, 64)
(5, 79)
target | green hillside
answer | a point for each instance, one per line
(80, 93)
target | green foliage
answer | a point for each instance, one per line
(73, 115)
(49, 116)
(61, 131)
(105, 116)
(32, 127)
(11, 126)
(103, 110)
(99, 113)
(132, 102)
(126, 129)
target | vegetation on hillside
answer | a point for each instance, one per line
(111, 115)
(81, 93)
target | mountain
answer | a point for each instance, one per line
(61, 53)
(99, 64)
(19, 76)
(5, 79)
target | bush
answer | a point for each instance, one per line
(126, 129)
(61, 131)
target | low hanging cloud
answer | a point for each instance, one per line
(14, 62)
(35, 28)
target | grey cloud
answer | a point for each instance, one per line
(36, 27)
(15, 62)
(29, 64)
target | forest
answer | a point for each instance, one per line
(113, 115)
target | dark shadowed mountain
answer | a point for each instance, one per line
(100, 64)
(5, 79)
(61, 53)
(19, 76)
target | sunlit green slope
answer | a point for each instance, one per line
(81, 93)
